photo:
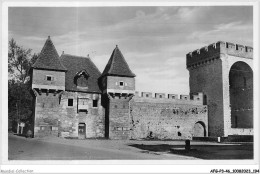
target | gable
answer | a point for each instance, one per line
(82, 74)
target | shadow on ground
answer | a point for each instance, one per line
(214, 152)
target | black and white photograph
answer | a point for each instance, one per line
(130, 83)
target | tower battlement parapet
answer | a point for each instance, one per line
(213, 51)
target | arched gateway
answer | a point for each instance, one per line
(241, 95)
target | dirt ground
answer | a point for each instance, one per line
(54, 148)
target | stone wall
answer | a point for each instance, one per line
(113, 82)
(53, 113)
(165, 119)
(39, 79)
(47, 115)
(208, 80)
(119, 123)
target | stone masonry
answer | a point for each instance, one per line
(209, 69)
(73, 99)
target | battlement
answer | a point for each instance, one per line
(213, 51)
(196, 99)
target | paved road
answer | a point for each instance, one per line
(21, 148)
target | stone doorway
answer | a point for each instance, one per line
(82, 131)
(199, 130)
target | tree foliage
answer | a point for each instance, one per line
(20, 99)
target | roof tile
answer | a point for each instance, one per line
(49, 58)
(117, 66)
(76, 64)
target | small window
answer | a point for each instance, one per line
(121, 83)
(95, 103)
(179, 134)
(173, 97)
(147, 95)
(160, 96)
(49, 78)
(83, 110)
(70, 102)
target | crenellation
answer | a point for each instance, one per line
(230, 45)
(172, 96)
(185, 97)
(213, 51)
(196, 98)
(248, 49)
(159, 95)
(146, 94)
(240, 47)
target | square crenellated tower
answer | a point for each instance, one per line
(223, 72)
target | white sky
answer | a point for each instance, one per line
(153, 40)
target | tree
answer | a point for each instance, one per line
(20, 61)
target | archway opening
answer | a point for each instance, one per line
(241, 95)
(199, 129)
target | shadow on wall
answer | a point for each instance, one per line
(224, 151)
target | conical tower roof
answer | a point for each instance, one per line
(49, 58)
(117, 66)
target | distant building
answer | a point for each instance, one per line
(72, 98)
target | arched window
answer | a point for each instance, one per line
(81, 79)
